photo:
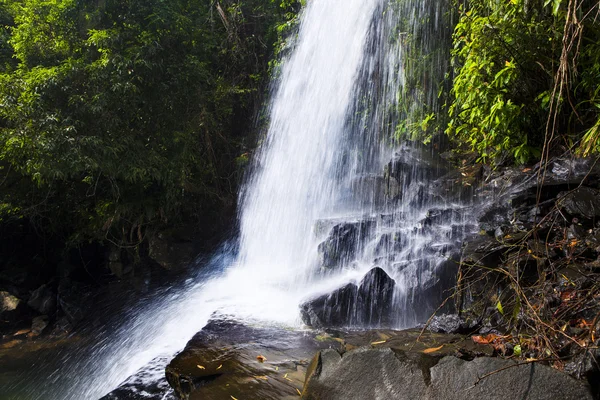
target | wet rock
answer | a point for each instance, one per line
(148, 383)
(332, 310)
(361, 373)
(39, 324)
(453, 378)
(451, 323)
(221, 362)
(483, 250)
(410, 164)
(8, 302)
(43, 300)
(375, 294)
(583, 202)
(495, 217)
(367, 304)
(398, 374)
(344, 241)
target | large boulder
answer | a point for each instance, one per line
(393, 373)
(229, 360)
(367, 304)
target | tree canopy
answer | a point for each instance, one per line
(117, 115)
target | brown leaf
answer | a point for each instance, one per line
(262, 377)
(486, 339)
(432, 349)
(261, 359)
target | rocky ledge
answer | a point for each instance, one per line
(229, 360)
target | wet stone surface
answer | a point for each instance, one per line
(229, 360)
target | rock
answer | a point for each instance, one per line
(8, 302)
(38, 325)
(453, 378)
(221, 362)
(365, 373)
(451, 323)
(583, 202)
(43, 300)
(483, 250)
(366, 304)
(332, 310)
(343, 243)
(375, 295)
(144, 385)
(62, 327)
(398, 374)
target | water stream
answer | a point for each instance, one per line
(329, 158)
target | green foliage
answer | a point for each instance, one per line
(507, 59)
(121, 115)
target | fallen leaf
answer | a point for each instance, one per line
(200, 366)
(10, 345)
(486, 339)
(432, 349)
(380, 342)
(219, 367)
(233, 398)
(262, 377)
(261, 359)
(299, 392)
(22, 332)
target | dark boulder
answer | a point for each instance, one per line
(43, 300)
(367, 304)
(582, 202)
(344, 242)
(335, 309)
(482, 250)
(375, 295)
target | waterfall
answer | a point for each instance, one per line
(330, 162)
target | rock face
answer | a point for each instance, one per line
(343, 243)
(581, 202)
(367, 304)
(396, 374)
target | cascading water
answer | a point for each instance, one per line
(343, 94)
